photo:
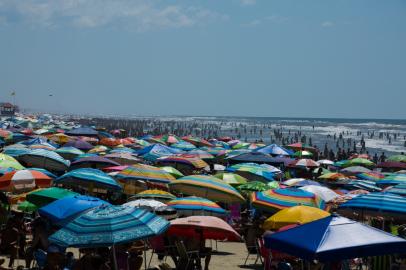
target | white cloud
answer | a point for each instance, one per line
(138, 14)
(327, 24)
(248, 2)
(252, 23)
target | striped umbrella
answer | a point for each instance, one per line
(41, 197)
(202, 154)
(300, 182)
(43, 145)
(215, 151)
(392, 179)
(399, 189)
(7, 161)
(166, 139)
(254, 171)
(372, 176)
(196, 141)
(276, 199)
(149, 204)
(174, 172)
(48, 160)
(24, 180)
(183, 145)
(208, 187)
(156, 194)
(184, 159)
(273, 149)
(231, 178)
(6, 170)
(358, 162)
(332, 176)
(109, 225)
(397, 158)
(69, 152)
(123, 158)
(146, 173)
(304, 163)
(196, 206)
(376, 204)
(88, 178)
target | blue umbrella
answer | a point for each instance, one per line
(109, 225)
(87, 177)
(399, 189)
(39, 140)
(45, 159)
(16, 151)
(363, 184)
(155, 151)
(274, 149)
(335, 238)
(63, 210)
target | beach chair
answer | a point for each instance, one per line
(186, 258)
(253, 250)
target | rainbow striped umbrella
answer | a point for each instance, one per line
(208, 187)
(392, 179)
(372, 176)
(174, 172)
(196, 206)
(7, 161)
(145, 172)
(201, 154)
(231, 178)
(274, 200)
(196, 141)
(185, 159)
(155, 194)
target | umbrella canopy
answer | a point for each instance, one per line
(397, 158)
(184, 159)
(196, 206)
(372, 176)
(146, 204)
(274, 150)
(79, 144)
(300, 182)
(24, 180)
(254, 171)
(69, 152)
(256, 157)
(352, 170)
(45, 196)
(154, 151)
(155, 194)
(231, 178)
(376, 204)
(202, 154)
(325, 162)
(88, 178)
(358, 162)
(324, 193)
(333, 239)
(146, 173)
(96, 162)
(183, 145)
(63, 210)
(392, 179)
(82, 131)
(399, 189)
(208, 187)
(26, 206)
(109, 225)
(7, 161)
(253, 186)
(210, 228)
(303, 154)
(197, 141)
(123, 158)
(60, 138)
(45, 159)
(304, 163)
(300, 214)
(332, 176)
(275, 199)
(301, 146)
(392, 165)
(174, 172)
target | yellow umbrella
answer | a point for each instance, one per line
(294, 215)
(60, 138)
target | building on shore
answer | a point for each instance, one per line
(7, 109)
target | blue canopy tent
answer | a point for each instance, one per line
(335, 238)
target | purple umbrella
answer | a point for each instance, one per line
(79, 144)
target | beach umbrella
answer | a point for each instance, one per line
(300, 182)
(183, 159)
(397, 158)
(208, 187)
(88, 178)
(215, 151)
(273, 149)
(333, 239)
(392, 165)
(69, 152)
(325, 162)
(255, 172)
(24, 180)
(15, 151)
(98, 149)
(392, 179)
(5, 133)
(45, 196)
(304, 163)
(63, 210)
(254, 157)
(79, 144)
(165, 139)
(358, 162)
(300, 214)
(60, 138)
(379, 203)
(145, 204)
(155, 151)
(123, 158)
(276, 199)
(301, 146)
(183, 145)
(202, 154)
(26, 206)
(197, 141)
(166, 212)
(353, 170)
(82, 131)
(96, 162)
(155, 194)
(332, 176)
(253, 186)
(7, 161)
(399, 189)
(372, 176)
(363, 184)
(45, 146)
(48, 160)
(231, 178)
(146, 173)
(210, 228)
(174, 172)
(303, 154)
(323, 193)
(123, 150)
(110, 142)
(196, 206)
(6, 170)
(108, 226)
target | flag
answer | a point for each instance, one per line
(13, 93)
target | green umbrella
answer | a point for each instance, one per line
(358, 162)
(273, 184)
(231, 178)
(7, 161)
(42, 197)
(27, 207)
(253, 186)
(303, 154)
(174, 172)
(397, 158)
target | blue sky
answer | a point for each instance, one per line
(316, 58)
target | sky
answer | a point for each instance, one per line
(282, 58)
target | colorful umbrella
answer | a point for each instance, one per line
(275, 199)
(324, 193)
(26, 206)
(202, 154)
(397, 158)
(253, 186)
(69, 152)
(301, 146)
(392, 165)
(183, 145)
(123, 158)
(206, 227)
(300, 214)
(79, 144)
(255, 172)
(24, 180)
(332, 176)
(148, 204)
(155, 194)
(358, 162)
(96, 162)
(399, 189)
(392, 179)
(109, 225)
(48, 160)
(60, 138)
(146, 173)
(353, 170)
(208, 187)
(7, 161)
(274, 150)
(184, 159)
(88, 178)
(372, 176)
(304, 163)
(174, 172)
(196, 141)
(196, 206)
(303, 154)
(325, 162)
(231, 178)
(45, 196)
(300, 182)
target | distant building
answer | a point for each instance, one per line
(7, 109)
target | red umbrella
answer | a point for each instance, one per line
(212, 228)
(24, 179)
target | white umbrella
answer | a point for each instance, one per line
(146, 204)
(325, 162)
(323, 192)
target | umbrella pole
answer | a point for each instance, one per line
(114, 258)
(145, 256)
